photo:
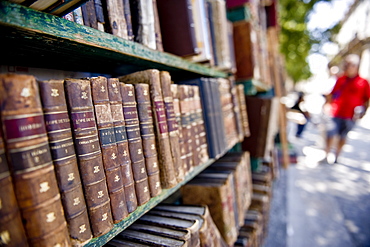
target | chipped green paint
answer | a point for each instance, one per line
(100, 241)
(34, 25)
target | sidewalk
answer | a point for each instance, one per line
(320, 204)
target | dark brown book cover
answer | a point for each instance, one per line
(89, 155)
(166, 167)
(237, 112)
(194, 130)
(144, 109)
(30, 161)
(243, 109)
(11, 228)
(107, 137)
(123, 158)
(203, 155)
(127, 14)
(173, 130)
(151, 239)
(61, 143)
(135, 143)
(177, 27)
(89, 14)
(183, 91)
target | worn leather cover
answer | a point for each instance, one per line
(30, 160)
(178, 234)
(150, 239)
(194, 130)
(177, 111)
(148, 137)
(203, 153)
(116, 23)
(173, 130)
(177, 27)
(89, 154)
(11, 228)
(123, 157)
(89, 14)
(61, 143)
(109, 149)
(186, 125)
(166, 167)
(243, 109)
(157, 27)
(237, 113)
(135, 143)
(127, 14)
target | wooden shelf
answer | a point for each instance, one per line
(35, 39)
(140, 211)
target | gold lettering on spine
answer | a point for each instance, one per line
(157, 184)
(104, 217)
(102, 89)
(54, 92)
(58, 245)
(116, 178)
(44, 187)
(76, 201)
(139, 151)
(142, 170)
(4, 237)
(71, 176)
(26, 92)
(152, 146)
(130, 93)
(114, 156)
(100, 194)
(125, 153)
(82, 228)
(146, 189)
(155, 164)
(96, 169)
(121, 204)
(50, 217)
(84, 95)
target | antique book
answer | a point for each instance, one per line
(107, 137)
(177, 27)
(135, 143)
(237, 112)
(157, 27)
(177, 110)
(143, 25)
(175, 223)
(151, 239)
(127, 14)
(194, 133)
(166, 166)
(243, 109)
(216, 191)
(62, 149)
(115, 242)
(186, 125)
(30, 161)
(100, 7)
(203, 152)
(208, 232)
(144, 109)
(173, 130)
(116, 23)
(123, 157)
(89, 155)
(11, 228)
(220, 37)
(89, 14)
(179, 234)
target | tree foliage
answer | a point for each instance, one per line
(296, 42)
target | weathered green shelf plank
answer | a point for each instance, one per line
(26, 32)
(100, 241)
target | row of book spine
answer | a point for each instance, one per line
(84, 153)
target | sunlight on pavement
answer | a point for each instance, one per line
(313, 156)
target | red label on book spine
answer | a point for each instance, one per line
(57, 121)
(83, 120)
(161, 117)
(25, 127)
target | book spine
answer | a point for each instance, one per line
(61, 144)
(173, 130)
(11, 227)
(127, 14)
(166, 168)
(243, 110)
(203, 153)
(89, 154)
(238, 118)
(89, 15)
(194, 132)
(30, 161)
(109, 149)
(176, 108)
(157, 27)
(124, 158)
(186, 124)
(148, 137)
(135, 143)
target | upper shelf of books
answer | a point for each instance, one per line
(36, 39)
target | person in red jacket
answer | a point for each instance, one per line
(346, 103)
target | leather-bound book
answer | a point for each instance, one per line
(123, 157)
(194, 131)
(107, 137)
(89, 14)
(176, 108)
(157, 27)
(243, 109)
(203, 152)
(144, 109)
(11, 227)
(89, 155)
(150, 239)
(177, 27)
(186, 125)
(237, 113)
(116, 23)
(30, 161)
(135, 143)
(179, 234)
(62, 149)
(173, 130)
(166, 167)
(143, 25)
(127, 14)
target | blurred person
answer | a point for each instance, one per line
(299, 106)
(346, 103)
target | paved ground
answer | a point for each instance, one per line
(320, 204)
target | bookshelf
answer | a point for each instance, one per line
(30, 37)
(35, 39)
